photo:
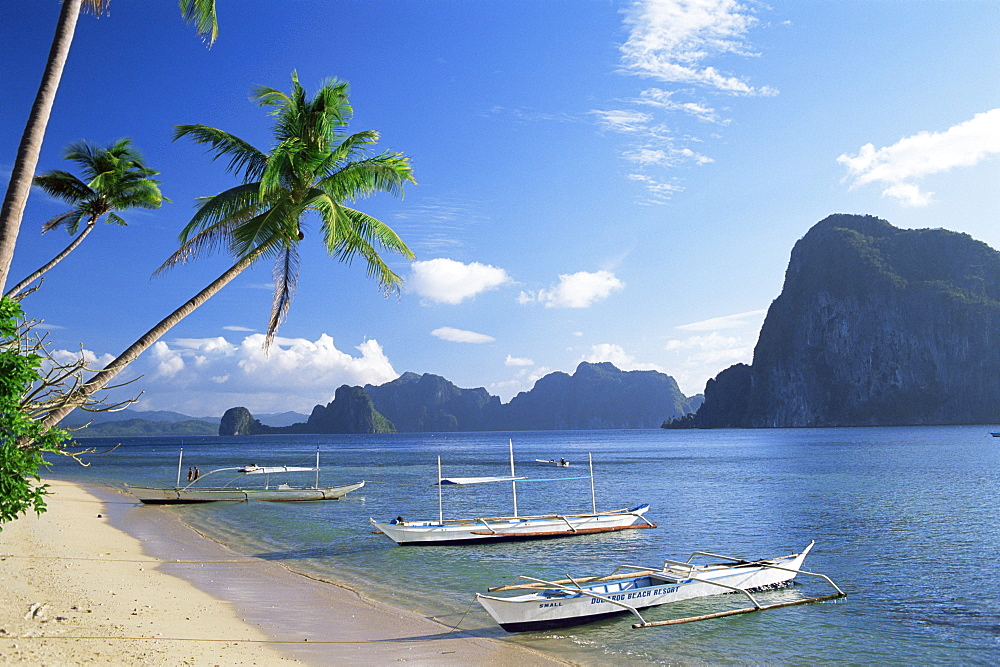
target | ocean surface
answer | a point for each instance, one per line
(906, 520)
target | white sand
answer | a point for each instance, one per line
(75, 590)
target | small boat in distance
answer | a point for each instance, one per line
(508, 528)
(561, 463)
(995, 434)
(629, 589)
(195, 492)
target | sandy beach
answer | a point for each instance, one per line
(77, 589)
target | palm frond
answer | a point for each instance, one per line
(202, 14)
(114, 218)
(63, 185)
(68, 219)
(286, 277)
(388, 172)
(243, 157)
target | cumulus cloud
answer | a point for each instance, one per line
(616, 354)
(206, 376)
(575, 290)
(898, 166)
(449, 281)
(461, 336)
(518, 361)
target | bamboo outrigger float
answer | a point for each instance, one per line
(574, 601)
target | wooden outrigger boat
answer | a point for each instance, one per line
(561, 463)
(630, 589)
(195, 492)
(508, 528)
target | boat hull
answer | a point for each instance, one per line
(555, 608)
(505, 529)
(156, 496)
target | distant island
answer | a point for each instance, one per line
(596, 396)
(874, 326)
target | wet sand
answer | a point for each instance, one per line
(80, 589)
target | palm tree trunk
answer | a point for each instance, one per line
(31, 141)
(104, 376)
(13, 291)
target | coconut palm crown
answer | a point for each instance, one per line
(113, 179)
(314, 170)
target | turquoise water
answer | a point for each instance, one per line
(905, 520)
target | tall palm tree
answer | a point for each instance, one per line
(314, 169)
(199, 12)
(117, 180)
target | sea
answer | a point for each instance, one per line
(905, 520)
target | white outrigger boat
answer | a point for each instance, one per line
(629, 589)
(561, 463)
(508, 528)
(195, 492)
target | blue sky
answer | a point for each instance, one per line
(597, 180)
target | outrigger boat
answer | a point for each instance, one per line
(561, 463)
(195, 492)
(629, 589)
(507, 528)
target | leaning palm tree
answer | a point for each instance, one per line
(117, 179)
(313, 171)
(199, 12)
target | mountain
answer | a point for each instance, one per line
(79, 417)
(597, 396)
(430, 403)
(875, 325)
(350, 411)
(126, 428)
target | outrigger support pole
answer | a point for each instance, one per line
(734, 612)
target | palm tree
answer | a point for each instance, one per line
(314, 168)
(200, 12)
(117, 180)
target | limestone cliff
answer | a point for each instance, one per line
(875, 325)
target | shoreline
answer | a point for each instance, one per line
(93, 580)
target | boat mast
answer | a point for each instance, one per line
(513, 484)
(440, 506)
(593, 500)
(179, 460)
(316, 485)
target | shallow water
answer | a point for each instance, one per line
(905, 520)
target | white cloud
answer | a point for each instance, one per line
(738, 321)
(664, 99)
(233, 327)
(896, 167)
(670, 40)
(617, 355)
(575, 290)
(518, 361)
(449, 281)
(697, 357)
(205, 377)
(623, 120)
(673, 42)
(461, 336)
